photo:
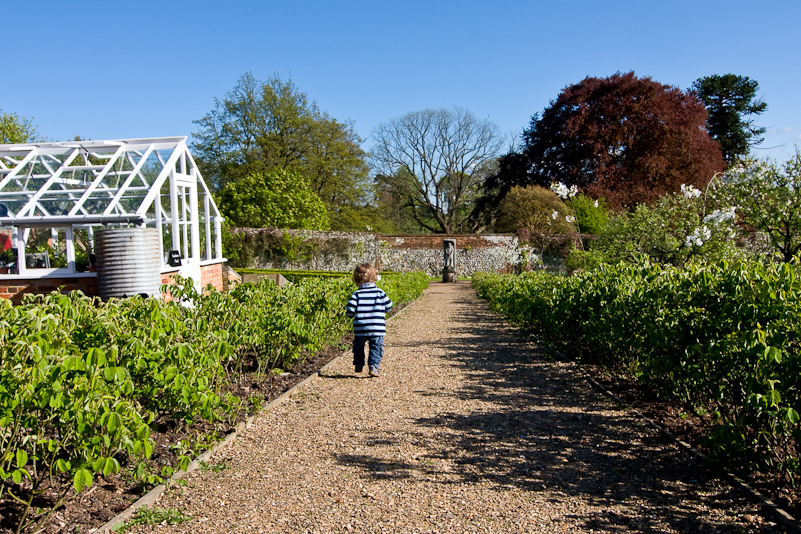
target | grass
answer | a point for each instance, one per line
(154, 516)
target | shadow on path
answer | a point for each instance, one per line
(539, 427)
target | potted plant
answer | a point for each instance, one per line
(8, 259)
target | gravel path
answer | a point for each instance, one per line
(469, 429)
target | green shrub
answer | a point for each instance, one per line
(722, 338)
(592, 215)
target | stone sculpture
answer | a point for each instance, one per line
(449, 272)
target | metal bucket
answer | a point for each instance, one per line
(128, 263)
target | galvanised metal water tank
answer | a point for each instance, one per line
(128, 262)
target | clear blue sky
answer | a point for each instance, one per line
(107, 70)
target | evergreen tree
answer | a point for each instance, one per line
(733, 107)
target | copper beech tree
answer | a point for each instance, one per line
(627, 139)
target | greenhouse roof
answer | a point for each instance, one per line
(91, 182)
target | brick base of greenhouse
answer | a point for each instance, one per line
(15, 288)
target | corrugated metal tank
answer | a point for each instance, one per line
(128, 262)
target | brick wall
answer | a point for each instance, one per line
(209, 274)
(212, 274)
(15, 288)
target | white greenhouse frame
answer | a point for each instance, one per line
(84, 185)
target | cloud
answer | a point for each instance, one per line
(786, 129)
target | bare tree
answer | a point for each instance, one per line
(434, 162)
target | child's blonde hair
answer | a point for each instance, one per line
(364, 273)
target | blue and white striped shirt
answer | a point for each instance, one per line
(368, 306)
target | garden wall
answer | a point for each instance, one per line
(341, 251)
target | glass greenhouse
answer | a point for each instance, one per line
(55, 196)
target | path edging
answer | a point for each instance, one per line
(154, 494)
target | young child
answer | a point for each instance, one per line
(368, 306)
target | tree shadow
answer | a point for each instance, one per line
(544, 428)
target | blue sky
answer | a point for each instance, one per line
(107, 70)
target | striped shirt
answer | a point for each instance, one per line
(368, 306)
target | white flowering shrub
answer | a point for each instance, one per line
(768, 199)
(678, 228)
(562, 191)
(689, 191)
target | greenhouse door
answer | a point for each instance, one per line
(186, 231)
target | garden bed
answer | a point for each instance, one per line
(113, 494)
(690, 428)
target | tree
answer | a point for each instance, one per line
(626, 139)
(434, 162)
(263, 126)
(536, 209)
(510, 171)
(732, 105)
(16, 129)
(768, 199)
(276, 198)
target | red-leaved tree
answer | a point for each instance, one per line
(624, 138)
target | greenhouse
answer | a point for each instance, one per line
(57, 200)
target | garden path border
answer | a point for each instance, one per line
(152, 496)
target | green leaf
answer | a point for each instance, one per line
(773, 397)
(82, 479)
(22, 458)
(16, 476)
(111, 466)
(114, 422)
(143, 432)
(773, 354)
(792, 416)
(98, 465)
(95, 357)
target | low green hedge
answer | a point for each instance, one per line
(723, 338)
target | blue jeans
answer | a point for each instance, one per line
(376, 344)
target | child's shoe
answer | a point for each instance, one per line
(373, 371)
(358, 368)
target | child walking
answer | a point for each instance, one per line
(368, 306)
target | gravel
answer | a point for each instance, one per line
(470, 428)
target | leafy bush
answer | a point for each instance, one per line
(675, 229)
(722, 338)
(277, 198)
(767, 198)
(536, 209)
(591, 214)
